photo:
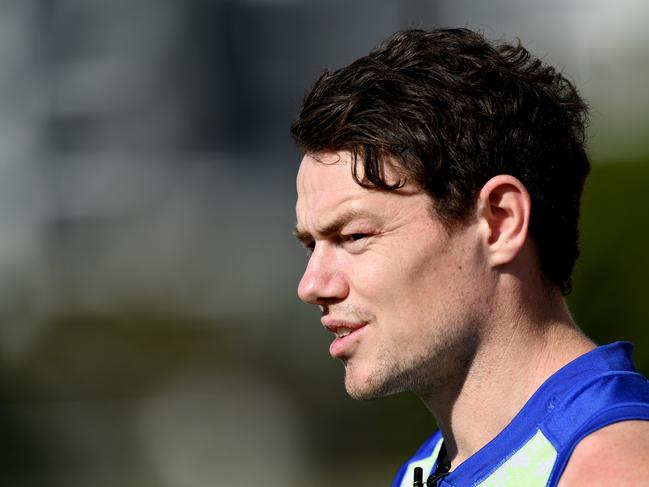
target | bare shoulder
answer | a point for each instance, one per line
(614, 455)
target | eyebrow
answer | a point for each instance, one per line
(334, 226)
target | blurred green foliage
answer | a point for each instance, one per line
(609, 298)
(98, 356)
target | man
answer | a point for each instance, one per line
(439, 198)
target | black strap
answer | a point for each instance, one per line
(442, 467)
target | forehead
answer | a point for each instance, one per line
(325, 175)
(325, 185)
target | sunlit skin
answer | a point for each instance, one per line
(461, 317)
(387, 263)
(456, 316)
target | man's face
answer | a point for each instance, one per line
(399, 290)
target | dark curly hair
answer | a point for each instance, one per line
(455, 110)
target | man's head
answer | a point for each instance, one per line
(426, 164)
(454, 110)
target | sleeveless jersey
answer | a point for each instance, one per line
(598, 388)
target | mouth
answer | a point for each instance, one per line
(347, 339)
(342, 332)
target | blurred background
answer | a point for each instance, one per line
(150, 334)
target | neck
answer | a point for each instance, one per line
(518, 353)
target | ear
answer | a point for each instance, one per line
(504, 207)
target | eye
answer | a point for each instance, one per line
(309, 246)
(354, 240)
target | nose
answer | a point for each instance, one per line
(323, 281)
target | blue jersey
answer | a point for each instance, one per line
(597, 389)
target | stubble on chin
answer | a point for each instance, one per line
(441, 366)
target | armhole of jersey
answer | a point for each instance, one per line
(616, 414)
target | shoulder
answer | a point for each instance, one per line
(617, 454)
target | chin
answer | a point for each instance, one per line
(364, 387)
(361, 394)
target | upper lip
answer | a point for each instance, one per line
(335, 325)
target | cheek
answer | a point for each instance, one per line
(431, 280)
(400, 283)
(371, 278)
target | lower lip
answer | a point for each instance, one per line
(342, 347)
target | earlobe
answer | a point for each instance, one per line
(504, 205)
